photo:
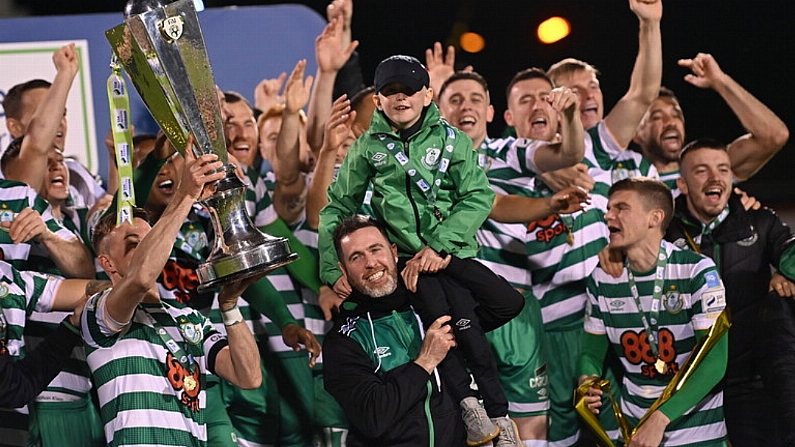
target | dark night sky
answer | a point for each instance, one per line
(751, 40)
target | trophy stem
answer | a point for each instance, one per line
(239, 249)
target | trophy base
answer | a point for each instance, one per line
(255, 261)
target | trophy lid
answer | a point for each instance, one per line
(135, 7)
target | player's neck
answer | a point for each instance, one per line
(664, 167)
(643, 256)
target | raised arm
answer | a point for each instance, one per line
(331, 53)
(31, 165)
(149, 258)
(440, 65)
(644, 85)
(337, 129)
(766, 132)
(290, 183)
(571, 147)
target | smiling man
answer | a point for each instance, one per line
(744, 244)
(377, 364)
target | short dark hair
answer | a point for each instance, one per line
(701, 143)
(351, 224)
(460, 75)
(232, 97)
(654, 195)
(528, 73)
(12, 103)
(666, 92)
(11, 153)
(570, 66)
(107, 223)
(359, 96)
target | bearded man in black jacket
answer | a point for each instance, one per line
(744, 244)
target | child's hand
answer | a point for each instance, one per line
(426, 261)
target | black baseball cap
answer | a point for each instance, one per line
(404, 70)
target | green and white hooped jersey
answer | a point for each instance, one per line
(560, 268)
(22, 293)
(693, 297)
(259, 197)
(517, 154)
(14, 197)
(313, 315)
(146, 396)
(606, 154)
(502, 246)
(669, 178)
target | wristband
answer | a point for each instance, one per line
(232, 316)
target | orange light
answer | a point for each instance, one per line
(553, 29)
(472, 42)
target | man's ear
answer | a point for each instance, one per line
(14, 127)
(106, 264)
(394, 252)
(656, 218)
(490, 113)
(681, 184)
(344, 272)
(508, 117)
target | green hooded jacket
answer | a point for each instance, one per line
(464, 197)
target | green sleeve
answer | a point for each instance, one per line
(345, 196)
(592, 357)
(786, 264)
(265, 299)
(471, 203)
(305, 268)
(704, 378)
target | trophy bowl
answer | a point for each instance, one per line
(161, 47)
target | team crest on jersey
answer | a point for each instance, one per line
(196, 239)
(3, 291)
(673, 301)
(619, 172)
(191, 332)
(431, 158)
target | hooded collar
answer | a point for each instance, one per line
(736, 227)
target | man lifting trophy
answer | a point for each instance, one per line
(161, 47)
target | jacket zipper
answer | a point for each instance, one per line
(411, 199)
(404, 332)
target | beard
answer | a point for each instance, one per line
(380, 291)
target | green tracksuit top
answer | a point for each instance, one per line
(464, 196)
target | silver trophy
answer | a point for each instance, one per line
(161, 47)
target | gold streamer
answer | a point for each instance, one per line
(699, 353)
